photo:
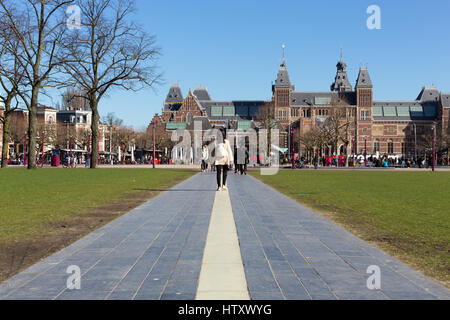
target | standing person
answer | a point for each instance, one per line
(204, 158)
(236, 166)
(224, 158)
(246, 161)
(316, 160)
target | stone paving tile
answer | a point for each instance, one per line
(262, 295)
(162, 239)
(155, 252)
(82, 295)
(330, 262)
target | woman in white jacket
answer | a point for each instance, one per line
(224, 158)
(205, 157)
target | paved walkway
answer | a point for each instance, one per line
(157, 251)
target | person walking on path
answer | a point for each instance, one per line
(236, 165)
(224, 158)
(204, 158)
(243, 167)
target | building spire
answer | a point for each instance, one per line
(283, 47)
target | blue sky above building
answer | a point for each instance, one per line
(233, 48)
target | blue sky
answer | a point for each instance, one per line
(233, 47)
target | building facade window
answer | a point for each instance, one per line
(404, 148)
(376, 146)
(390, 147)
(364, 115)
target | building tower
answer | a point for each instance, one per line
(281, 91)
(364, 102)
(175, 95)
(341, 82)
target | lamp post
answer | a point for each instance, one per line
(122, 153)
(43, 143)
(67, 130)
(154, 143)
(365, 152)
(25, 160)
(434, 144)
(89, 151)
(293, 151)
(415, 143)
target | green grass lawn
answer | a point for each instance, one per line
(405, 213)
(32, 200)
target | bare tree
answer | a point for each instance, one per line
(123, 137)
(17, 129)
(266, 118)
(338, 125)
(74, 99)
(11, 81)
(311, 140)
(144, 138)
(113, 122)
(37, 25)
(108, 51)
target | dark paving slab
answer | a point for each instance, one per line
(290, 252)
(153, 252)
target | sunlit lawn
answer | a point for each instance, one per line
(405, 213)
(32, 200)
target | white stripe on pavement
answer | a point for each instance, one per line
(222, 275)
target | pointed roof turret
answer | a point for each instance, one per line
(341, 82)
(363, 80)
(283, 75)
(175, 94)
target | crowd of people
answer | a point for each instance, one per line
(371, 161)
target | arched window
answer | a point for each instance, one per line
(376, 146)
(390, 146)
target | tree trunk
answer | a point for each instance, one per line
(5, 148)
(95, 132)
(32, 126)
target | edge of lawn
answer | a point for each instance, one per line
(408, 259)
(133, 199)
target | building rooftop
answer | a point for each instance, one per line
(283, 77)
(363, 80)
(175, 94)
(202, 94)
(445, 98)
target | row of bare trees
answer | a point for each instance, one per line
(338, 127)
(42, 50)
(124, 136)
